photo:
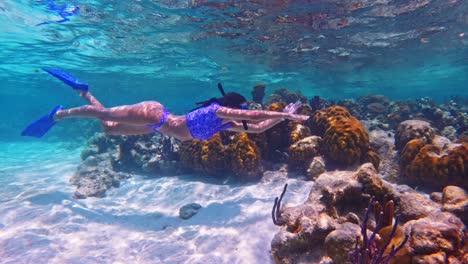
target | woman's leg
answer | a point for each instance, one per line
(112, 127)
(140, 114)
(90, 99)
(116, 128)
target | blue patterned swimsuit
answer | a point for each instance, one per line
(203, 122)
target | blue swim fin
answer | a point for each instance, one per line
(67, 78)
(40, 126)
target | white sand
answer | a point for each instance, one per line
(40, 222)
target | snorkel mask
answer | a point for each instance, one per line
(243, 106)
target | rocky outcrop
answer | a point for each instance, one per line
(325, 225)
(108, 160)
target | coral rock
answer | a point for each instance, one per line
(298, 132)
(455, 200)
(189, 210)
(439, 232)
(413, 129)
(206, 156)
(316, 167)
(413, 206)
(435, 258)
(304, 150)
(341, 241)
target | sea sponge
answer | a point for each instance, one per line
(243, 156)
(430, 165)
(345, 139)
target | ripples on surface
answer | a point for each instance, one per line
(136, 223)
(326, 47)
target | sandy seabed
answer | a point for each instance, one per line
(40, 222)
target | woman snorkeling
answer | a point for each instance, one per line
(225, 113)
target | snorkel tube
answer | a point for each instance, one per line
(223, 93)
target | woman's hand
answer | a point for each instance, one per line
(291, 109)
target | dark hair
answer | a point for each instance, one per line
(231, 100)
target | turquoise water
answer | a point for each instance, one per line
(175, 52)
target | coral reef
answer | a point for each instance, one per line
(329, 221)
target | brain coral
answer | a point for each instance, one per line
(243, 156)
(345, 140)
(205, 156)
(430, 165)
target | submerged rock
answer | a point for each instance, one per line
(341, 241)
(108, 160)
(95, 176)
(189, 210)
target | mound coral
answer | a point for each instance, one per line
(206, 156)
(240, 156)
(244, 156)
(434, 166)
(345, 139)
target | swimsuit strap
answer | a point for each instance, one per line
(160, 122)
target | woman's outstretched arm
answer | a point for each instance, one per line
(256, 115)
(255, 128)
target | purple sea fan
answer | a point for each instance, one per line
(374, 250)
